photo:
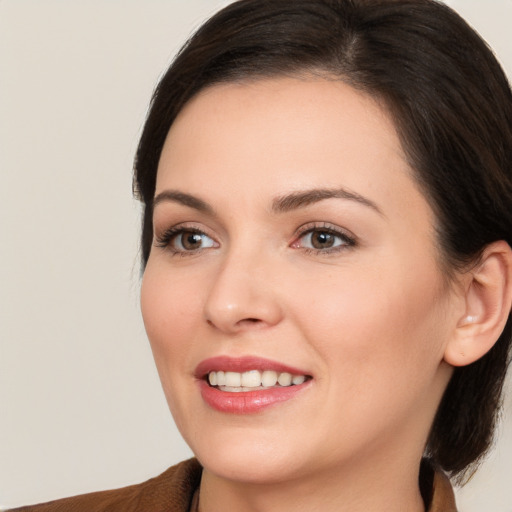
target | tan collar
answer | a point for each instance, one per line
(443, 499)
(194, 504)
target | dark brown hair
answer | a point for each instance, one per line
(452, 106)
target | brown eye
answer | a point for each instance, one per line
(322, 239)
(184, 241)
(189, 240)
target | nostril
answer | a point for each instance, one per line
(244, 323)
(250, 322)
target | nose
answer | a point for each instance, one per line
(243, 296)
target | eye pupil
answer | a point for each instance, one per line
(191, 241)
(322, 240)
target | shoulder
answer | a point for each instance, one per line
(172, 490)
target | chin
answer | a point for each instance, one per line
(244, 455)
(249, 468)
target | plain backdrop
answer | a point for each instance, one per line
(81, 407)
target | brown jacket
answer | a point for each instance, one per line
(173, 491)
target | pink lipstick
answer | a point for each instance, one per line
(248, 384)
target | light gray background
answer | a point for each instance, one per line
(80, 402)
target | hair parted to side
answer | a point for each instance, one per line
(451, 104)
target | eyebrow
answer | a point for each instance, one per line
(189, 200)
(304, 198)
(282, 204)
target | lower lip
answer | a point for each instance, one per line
(247, 402)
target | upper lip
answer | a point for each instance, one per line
(242, 364)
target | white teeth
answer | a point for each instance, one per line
(298, 379)
(247, 381)
(285, 379)
(268, 378)
(221, 378)
(235, 390)
(233, 379)
(231, 389)
(251, 379)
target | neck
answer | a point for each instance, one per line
(360, 487)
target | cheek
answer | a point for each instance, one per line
(170, 310)
(160, 306)
(376, 324)
(380, 338)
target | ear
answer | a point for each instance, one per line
(488, 300)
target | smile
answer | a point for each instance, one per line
(253, 380)
(248, 384)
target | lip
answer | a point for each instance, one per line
(246, 402)
(242, 364)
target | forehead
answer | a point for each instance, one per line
(282, 106)
(275, 121)
(276, 135)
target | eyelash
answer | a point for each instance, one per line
(165, 240)
(347, 240)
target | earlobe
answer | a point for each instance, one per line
(488, 300)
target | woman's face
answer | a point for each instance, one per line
(290, 239)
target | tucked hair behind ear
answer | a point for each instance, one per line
(452, 107)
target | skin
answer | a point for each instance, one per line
(369, 321)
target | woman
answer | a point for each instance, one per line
(326, 243)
